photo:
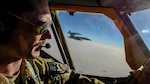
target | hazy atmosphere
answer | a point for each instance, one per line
(98, 59)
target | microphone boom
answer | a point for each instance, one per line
(47, 45)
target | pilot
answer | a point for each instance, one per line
(23, 31)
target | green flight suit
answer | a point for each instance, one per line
(46, 71)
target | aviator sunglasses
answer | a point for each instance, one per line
(39, 29)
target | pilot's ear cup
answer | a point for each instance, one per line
(2, 28)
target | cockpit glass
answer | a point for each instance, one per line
(53, 51)
(95, 44)
(141, 21)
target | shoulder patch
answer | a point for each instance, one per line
(56, 68)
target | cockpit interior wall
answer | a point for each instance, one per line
(137, 5)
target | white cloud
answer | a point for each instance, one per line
(145, 31)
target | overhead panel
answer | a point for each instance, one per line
(77, 2)
(137, 5)
(112, 3)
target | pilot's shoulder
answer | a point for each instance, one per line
(51, 66)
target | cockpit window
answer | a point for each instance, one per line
(53, 51)
(141, 21)
(95, 44)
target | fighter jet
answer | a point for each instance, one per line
(72, 35)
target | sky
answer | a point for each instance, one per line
(102, 29)
(141, 20)
(97, 27)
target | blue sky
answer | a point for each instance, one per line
(101, 29)
(97, 27)
(141, 20)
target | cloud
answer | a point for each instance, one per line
(145, 31)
